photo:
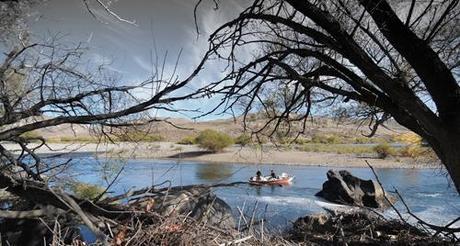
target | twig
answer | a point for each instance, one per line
(109, 11)
(71, 204)
(384, 193)
(431, 226)
(243, 217)
(108, 186)
(236, 241)
(253, 214)
(437, 229)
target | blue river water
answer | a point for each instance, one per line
(427, 191)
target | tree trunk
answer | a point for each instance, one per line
(448, 150)
(444, 140)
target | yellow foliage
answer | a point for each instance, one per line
(408, 138)
(31, 134)
(384, 150)
(412, 151)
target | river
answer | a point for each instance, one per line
(426, 191)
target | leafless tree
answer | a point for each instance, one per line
(44, 85)
(49, 84)
(399, 58)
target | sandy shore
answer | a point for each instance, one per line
(236, 154)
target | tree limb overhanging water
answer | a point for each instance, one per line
(388, 64)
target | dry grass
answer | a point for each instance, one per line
(337, 148)
(349, 131)
(154, 229)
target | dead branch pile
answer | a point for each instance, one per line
(151, 216)
(359, 228)
(170, 230)
(175, 229)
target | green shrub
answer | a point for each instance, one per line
(417, 151)
(213, 140)
(300, 141)
(139, 136)
(367, 140)
(243, 139)
(81, 139)
(412, 151)
(152, 138)
(362, 140)
(31, 134)
(188, 140)
(336, 148)
(327, 139)
(86, 191)
(292, 140)
(384, 150)
(135, 136)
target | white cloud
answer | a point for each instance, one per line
(145, 65)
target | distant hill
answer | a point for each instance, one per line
(175, 129)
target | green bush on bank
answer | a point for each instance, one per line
(31, 135)
(188, 140)
(127, 137)
(384, 150)
(139, 136)
(336, 148)
(80, 139)
(367, 140)
(213, 140)
(327, 139)
(243, 139)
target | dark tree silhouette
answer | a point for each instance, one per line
(399, 58)
(44, 85)
(49, 84)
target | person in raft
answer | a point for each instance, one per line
(258, 175)
(272, 174)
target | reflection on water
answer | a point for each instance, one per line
(213, 171)
(425, 190)
(395, 176)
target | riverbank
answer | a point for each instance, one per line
(265, 154)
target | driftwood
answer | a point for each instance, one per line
(30, 214)
(107, 220)
(39, 193)
(359, 229)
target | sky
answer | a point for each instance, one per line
(161, 26)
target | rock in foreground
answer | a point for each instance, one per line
(200, 203)
(344, 188)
